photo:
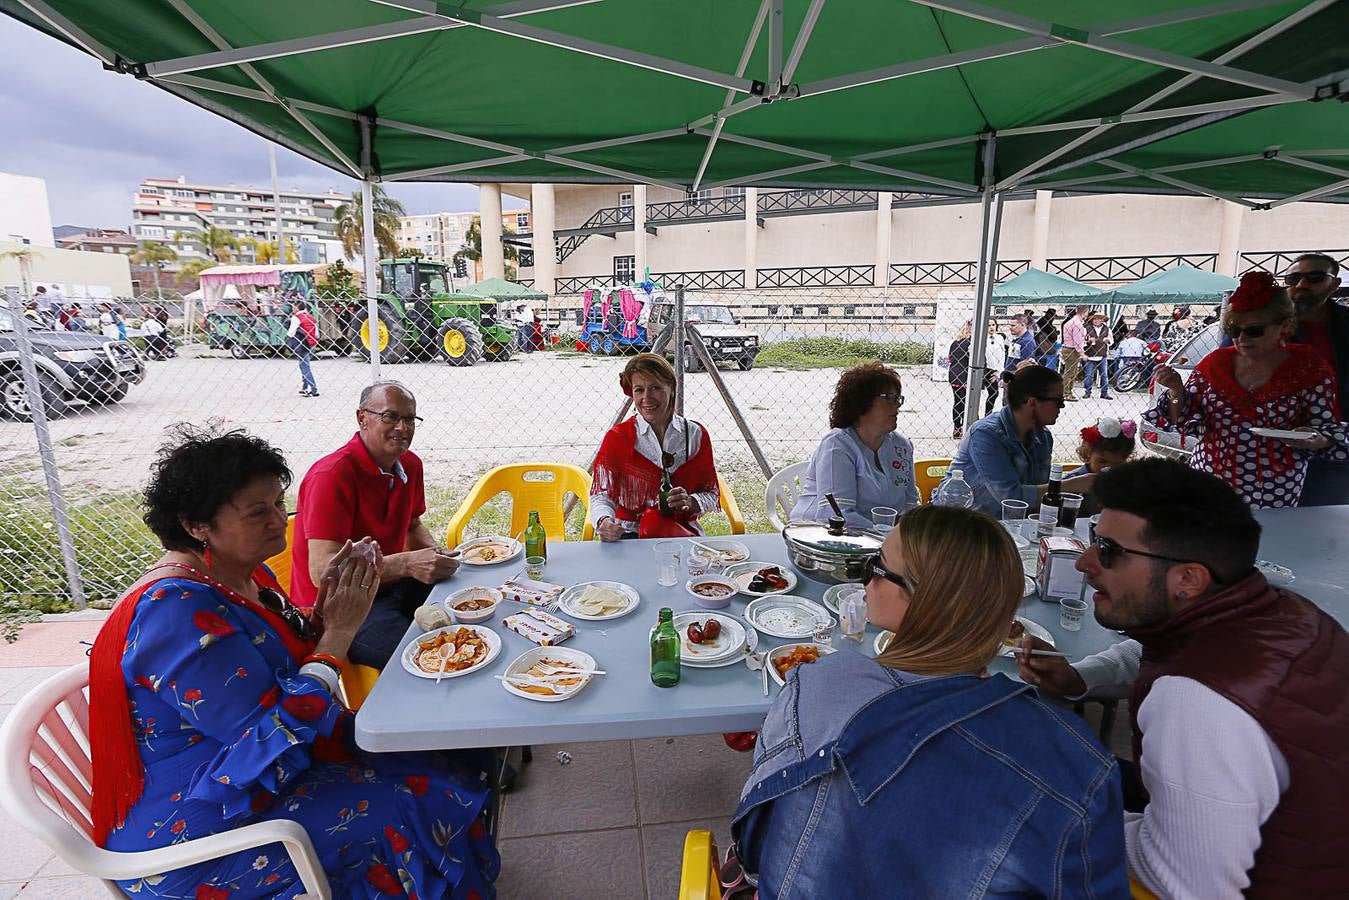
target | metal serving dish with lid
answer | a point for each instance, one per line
(834, 553)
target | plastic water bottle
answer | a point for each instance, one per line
(956, 491)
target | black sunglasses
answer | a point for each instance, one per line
(392, 418)
(1060, 402)
(1292, 278)
(1255, 331)
(297, 621)
(878, 570)
(1108, 549)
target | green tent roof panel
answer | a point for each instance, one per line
(1038, 286)
(1181, 284)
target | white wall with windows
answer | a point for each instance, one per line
(25, 217)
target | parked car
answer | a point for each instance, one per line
(725, 338)
(1182, 355)
(72, 367)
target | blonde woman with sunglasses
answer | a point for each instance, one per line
(917, 773)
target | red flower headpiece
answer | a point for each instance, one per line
(1108, 427)
(1254, 292)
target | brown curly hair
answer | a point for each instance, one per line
(857, 389)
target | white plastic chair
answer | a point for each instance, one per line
(784, 488)
(46, 780)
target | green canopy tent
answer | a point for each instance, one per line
(1035, 286)
(1234, 99)
(1180, 285)
(501, 289)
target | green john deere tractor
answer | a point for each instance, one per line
(420, 319)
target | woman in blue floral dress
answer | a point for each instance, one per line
(213, 706)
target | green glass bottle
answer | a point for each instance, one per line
(665, 651)
(667, 460)
(536, 539)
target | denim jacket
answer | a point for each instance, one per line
(869, 782)
(997, 466)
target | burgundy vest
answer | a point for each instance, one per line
(1286, 663)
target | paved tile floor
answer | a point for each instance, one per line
(598, 820)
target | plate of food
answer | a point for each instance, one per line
(451, 651)
(549, 674)
(787, 657)
(1281, 434)
(708, 638)
(598, 601)
(761, 579)
(722, 551)
(489, 550)
(786, 616)
(833, 595)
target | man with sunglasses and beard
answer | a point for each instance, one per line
(1323, 325)
(1247, 401)
(1236, 691)
(373, 486)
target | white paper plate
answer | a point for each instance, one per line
(834, 594)
(1281, 433)
(572, 657)
(493, 648)
(732, 551)
(751, 644)
(743, 573)
(1034, 629)
(568, 597)
(516, 549)
(728, 646)
(783, 651)
(786, 616)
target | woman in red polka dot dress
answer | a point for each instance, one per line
(1261, 381)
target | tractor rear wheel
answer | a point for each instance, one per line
(390, 334)
(460, 342)
(497, 352)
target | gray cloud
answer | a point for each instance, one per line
(94, 135)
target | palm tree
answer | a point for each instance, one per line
(264, 252)
(154, 254)
(472, 248)
(349, 221)
(193, 267)
(220, 243)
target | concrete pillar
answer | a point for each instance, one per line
(640, 259)
(1039, 243)
(884, 222)
(489, 209)
(544, 215)
(1229, 241)
(751, 238)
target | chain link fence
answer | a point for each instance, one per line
(543, 395)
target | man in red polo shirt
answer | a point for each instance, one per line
(372, 486)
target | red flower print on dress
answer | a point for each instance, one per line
(305, 707)
(260, 801)
(476, 830)
(396, 840)
(383, 880)
(192, 695)
(268, 700)
(214, 626)
(177, 827)
(207, 892)
(271, 879)
(473, 895)
(418, 784)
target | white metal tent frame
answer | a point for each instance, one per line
(176, 75)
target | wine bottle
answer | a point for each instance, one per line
(1053, 499)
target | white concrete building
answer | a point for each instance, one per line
(172, 210)
(25, 217)
(437, 235)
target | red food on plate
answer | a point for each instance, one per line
(695, 633)
(711, 630)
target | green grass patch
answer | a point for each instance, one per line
(834, 352)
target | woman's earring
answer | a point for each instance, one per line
(206, 554)
(1181, 595)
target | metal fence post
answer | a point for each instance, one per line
(44, 445)
(679, 349)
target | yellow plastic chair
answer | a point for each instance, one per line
(281, 564)
(698, 877)
(729, 507)
(538, 486)
(357, 683)
(1137, 890)
(927, 474)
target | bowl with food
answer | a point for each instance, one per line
(712, 591)
(782, 660)
(473, 604)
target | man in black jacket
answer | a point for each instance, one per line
(1322, 324)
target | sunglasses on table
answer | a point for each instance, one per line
(1255, 331)
(1108, 550)
(392, 418)
(1292, 278)
(878, 570)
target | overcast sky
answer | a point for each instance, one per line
(94, 135)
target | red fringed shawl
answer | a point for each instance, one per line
(633, 482)
(119, 775)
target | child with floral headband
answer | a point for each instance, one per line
(1108, 443)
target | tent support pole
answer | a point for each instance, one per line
(680, 349)
(983, 275)
(368, 249)
(700, 350)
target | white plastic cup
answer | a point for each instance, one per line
(1071, 611)
(534, 567)
(884, 517)
(823, 633)
(668, 556)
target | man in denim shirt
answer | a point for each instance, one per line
(1006, 454)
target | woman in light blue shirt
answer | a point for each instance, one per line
(862, 461)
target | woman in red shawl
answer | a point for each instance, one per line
(1261, 381)
(625, 496)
